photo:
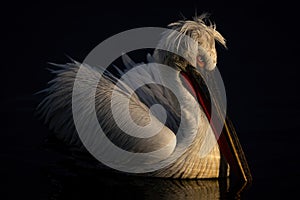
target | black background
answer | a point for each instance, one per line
(259, 69)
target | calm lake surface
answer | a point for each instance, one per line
(32, 171)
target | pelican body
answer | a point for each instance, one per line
(56, 109)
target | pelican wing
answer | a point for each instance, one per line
(56, 107)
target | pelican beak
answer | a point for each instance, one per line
(228, 141)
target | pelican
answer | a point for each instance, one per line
(188, 162)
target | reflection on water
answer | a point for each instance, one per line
(68, 181)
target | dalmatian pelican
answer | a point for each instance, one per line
(224, 157)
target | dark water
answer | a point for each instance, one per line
(33, 170)
(81, 184)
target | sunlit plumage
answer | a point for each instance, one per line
(56, 107)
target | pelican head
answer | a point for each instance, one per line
(204, 34)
